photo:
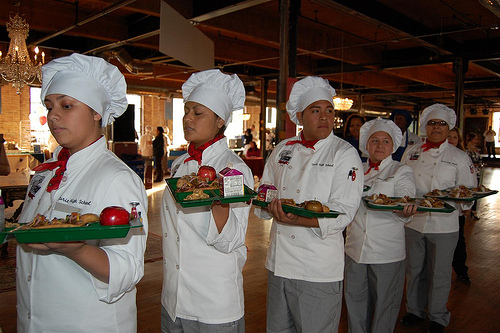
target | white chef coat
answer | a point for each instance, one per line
(203, 278)
(54, 294)
(378, 236)
(439, 168)
(413, 139)
(332, 174)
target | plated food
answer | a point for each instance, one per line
(198, 194)
(71, 220)
(381, 200)
(311, 205)
(480, 189)
(430, 202)
(460, 192)
(436, 193)
(188, 183)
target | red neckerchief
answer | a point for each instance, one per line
(302, 141)
(430, 145)
(196, 153)
(62, 160)
(372, 165)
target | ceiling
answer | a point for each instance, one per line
(383, 54)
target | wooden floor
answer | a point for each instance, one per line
(474, 308)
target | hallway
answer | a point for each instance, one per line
(474, 308)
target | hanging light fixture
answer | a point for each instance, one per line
(342, 104)
(16, 67)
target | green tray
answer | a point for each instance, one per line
(5, 236)
(447, 207)
(299, 211)
(475, 196)
(214, 196)
(92, 231)
(366, 188)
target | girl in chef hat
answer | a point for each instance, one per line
(375, 243)
(204, 247)
(306, 254)
(96, 277)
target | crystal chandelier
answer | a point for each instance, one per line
(16, 67)
(342, 104)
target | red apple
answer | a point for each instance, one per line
(206, 171)
(114, 215)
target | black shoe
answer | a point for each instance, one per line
(435, 327)
(465, 279)
(474, 215)
(410, 320)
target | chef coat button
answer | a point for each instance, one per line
(29, 315)
(279, 232)
(64, 179)
(164, 262)
(166, 234)
(177, 211)
(29, 278)
(284, 188)
(419, 175)
(178, 239)
(365, 213)
(292, 236)
(298, 190)
(166, 207)
(177, 266)
(435, 163)
(432, 176)
(289, 166)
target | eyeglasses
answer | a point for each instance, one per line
(441, 123)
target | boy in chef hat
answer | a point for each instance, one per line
(81, 94)
(306, 254)
(431, 238)
(204, 247)
(375, 243)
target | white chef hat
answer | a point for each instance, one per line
(438, 111)
(377, 125)
(221, 93)
(90, 80)
(306, 91)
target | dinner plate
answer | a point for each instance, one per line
(386, 206)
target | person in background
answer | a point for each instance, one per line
(460, 255)
(270, 140)
(403, 119)
(489, 138)
(431, 238)
(471, 147)
(167, 147)
(146, 142)
(4, 161)
(351, 131)
(375, 242)
(81, 286)
(305, 259)
(253, 151)
(204, 247)
(158, 153)
(247, 138)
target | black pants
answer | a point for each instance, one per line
(460, 255)
(490, 148)
(158, 167)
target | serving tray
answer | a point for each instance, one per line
(299, 210)
(475, 196)
(214, 195)
(446, 209)
(70, 234)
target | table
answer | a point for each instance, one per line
(256, 164)
(14, 187)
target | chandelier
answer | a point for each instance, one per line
(16, 67)
(342, 104)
